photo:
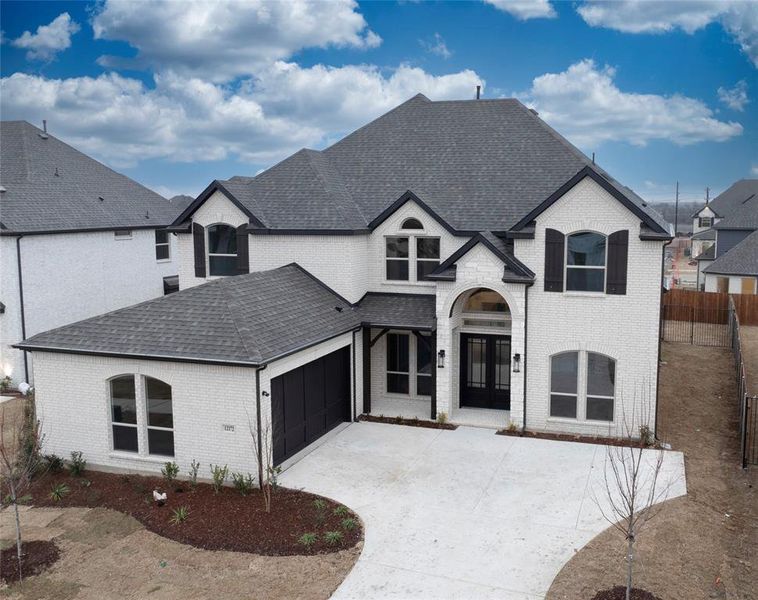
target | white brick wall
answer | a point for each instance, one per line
(73, 276)
(622, 327)
(735, 281)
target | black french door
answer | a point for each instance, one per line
(485, 380)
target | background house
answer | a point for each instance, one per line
(76, 239)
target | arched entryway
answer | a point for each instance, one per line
(482, 319)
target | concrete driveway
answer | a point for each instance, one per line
(464, 513)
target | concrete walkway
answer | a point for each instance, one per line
(464, 513)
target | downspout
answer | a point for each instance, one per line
(526, 341)
(21, 298)
(355, 402)
(660, 341)
(259, 424)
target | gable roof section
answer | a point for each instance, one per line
(51, 187)
(740, 260)
(731, 198)
(654, 223)
(743, 213)
(479, 165)
(245, 320)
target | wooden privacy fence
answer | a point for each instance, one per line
(709, 307)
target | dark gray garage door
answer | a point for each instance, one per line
(309, 401)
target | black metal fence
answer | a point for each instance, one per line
(748, 404)
(698, 326)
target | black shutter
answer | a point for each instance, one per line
(554, 252)
(243, 255)
(618, 250)
(198, 240)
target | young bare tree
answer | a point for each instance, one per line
(20, 459)
(264, 455)
(632, 489)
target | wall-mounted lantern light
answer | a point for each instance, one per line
(516, 362)
(441, 359)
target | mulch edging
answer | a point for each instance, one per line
(412, 422)
(36, 557)
(619, 593)
(224, 521)
(568, 437)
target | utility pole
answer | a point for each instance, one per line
(676, 211)
(707, 194)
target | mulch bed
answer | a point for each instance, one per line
(568, 437)
(413, 422)
(36, 557)
(224, 521)
(619, 593)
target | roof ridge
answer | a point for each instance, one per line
(311, 154)
(227, 307)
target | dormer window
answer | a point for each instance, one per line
(222, 250)
(412, 224)
(706, 222)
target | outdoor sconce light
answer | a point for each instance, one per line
(441, 359)
(516, 362)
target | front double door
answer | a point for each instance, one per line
(485, 380)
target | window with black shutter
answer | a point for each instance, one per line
(198, 243)
(554, 252)
(618, 252)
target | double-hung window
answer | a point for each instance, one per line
(601, 385)
(598, 390)
(427, 256)
(585, 262)
(397, 258)
(124, 413)
(162, 246)
(398, 364)
(222, 250)
(564, 370)
(160, 417)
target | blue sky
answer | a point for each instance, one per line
(178, 94)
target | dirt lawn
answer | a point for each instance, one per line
(749, 339)
(703, 545)
(107, 555)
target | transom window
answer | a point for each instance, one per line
(142, 404)
(222, 250)
(599, 386)
(162, 245)
(412, 224)
(585, 262)
(485, 308)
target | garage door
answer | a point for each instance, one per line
(309, 401)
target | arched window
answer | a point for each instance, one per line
(601, 387)
(484, 300)
(412, 224)
(564, 390)
(124, 413)
(599, 396)
(222, 250)
(160, 417)
(585, 261)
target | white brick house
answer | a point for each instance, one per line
(450, 257)
(76, 240)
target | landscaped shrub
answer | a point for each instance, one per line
(179, 515)
(59, 490)
(53, 463)
(340, 511)
(169, 471)
(219, 475)
(5, 384)
(511, 427)
(349, 523)
(442, 417)
(308, 539)
(243, 483)
(333, 537)
(194, 468)
(646, 435)
(77, 464)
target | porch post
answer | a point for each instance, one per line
(434, 374)
(367, 370)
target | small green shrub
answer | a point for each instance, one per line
(243, 483)
(333, 537)
(308, 539)
(442, 417)
(511, 427)
(340, 511)
(169, 471)
(349, 523)
(219, 475)
(194, 468)
(85, 483)
(53, 463)
(5, 384)
(179, 515)
(646, 435)
(77, 464)
(59, 490)
(319, 504)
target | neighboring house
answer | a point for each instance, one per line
(453, 257)
(76, 239)
(730, 217)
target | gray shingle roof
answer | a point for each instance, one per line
(479, 164)
(248, 319)
(708, 254)
(740, 260)
(706, 234)
(737, 203)
(36, 199)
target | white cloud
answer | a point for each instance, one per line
(287, 107)
(585, 105)
(754, 170)
(736, 97)
(49, 39)
(220, 41)
(738, 17)
(525, 9)
(436, 46)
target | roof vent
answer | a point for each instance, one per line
(338, 308)
(147, 214)
(2, 189)
(101, 199)
(478, 91)
(534, 112)
(56, 172)
(44, 135)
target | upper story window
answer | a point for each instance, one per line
(427, 256)
(705, 222)
(123, 234)
(222, 250)
(585, 262)
(402, 251)
(397, 258)
(412, 224)
(162, 245)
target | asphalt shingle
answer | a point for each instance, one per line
(740, 260)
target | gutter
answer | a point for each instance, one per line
(21, 300)
(526, 342)
(259, 424)
(355, 399)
